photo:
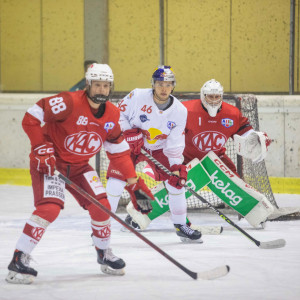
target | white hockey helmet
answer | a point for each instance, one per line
(163, 73)
(101, 72)
(211, 87)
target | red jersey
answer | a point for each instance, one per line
(204, 133)
(76, 133)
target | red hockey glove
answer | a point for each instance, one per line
(43, 158)
(134, 138)
(140, 196)
(180, 180)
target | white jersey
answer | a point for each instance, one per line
(162, 129)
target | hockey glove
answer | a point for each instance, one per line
(254, 145)
(43, 158)
(178, 181)
(134, 138)
(140, 196)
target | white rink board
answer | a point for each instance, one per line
(279, 116)
(66, 260)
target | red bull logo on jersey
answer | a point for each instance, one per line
(109, 126)
(209, 141)
(83, 143)
(152, 135)
(227, 122)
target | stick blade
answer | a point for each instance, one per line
(214, 273)
(272, 244)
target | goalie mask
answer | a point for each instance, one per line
(100, 72)
(163, 73)
(211, 95)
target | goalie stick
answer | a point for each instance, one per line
(279, 243)
(205, 275)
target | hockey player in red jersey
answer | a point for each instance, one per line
(76, 126)
(211, 122)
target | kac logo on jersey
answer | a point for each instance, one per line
(83, 143)
(144, 118)
(227, 122)
(171, 125)
(209, 141)
(109, 126)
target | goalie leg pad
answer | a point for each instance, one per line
(235, 192)
(141, 219)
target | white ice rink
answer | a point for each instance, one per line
(66, 259)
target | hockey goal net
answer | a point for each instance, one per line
(254, 174)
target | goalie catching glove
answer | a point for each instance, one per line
(134, 138)
(43, 158)
(253, 146)
(179, 178)
(140, 196)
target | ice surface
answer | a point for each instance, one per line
(66, 259)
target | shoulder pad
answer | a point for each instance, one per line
(58, 107)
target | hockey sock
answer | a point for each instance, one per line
(114, 190)
(100, 224)
(177, 204)
(101, 234)
(35, 227)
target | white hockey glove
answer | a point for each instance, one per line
(253, 146)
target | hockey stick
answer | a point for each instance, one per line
(207, 275)
(264, 245)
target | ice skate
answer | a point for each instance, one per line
(187, 234)
(19, 270)
(110, 264)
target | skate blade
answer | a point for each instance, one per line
(124, 229)
(189, 241)
(18, 278)
(116, 272)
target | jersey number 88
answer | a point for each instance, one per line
(57, 105)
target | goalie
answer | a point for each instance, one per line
(210, 123)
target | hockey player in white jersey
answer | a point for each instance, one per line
(155, 120)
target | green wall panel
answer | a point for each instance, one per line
(133, 42)
(198, 42)
(260, 45)
(243, 44)
(63, 43)
(297, 47)
(20, 46)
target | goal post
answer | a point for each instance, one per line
(254, 174)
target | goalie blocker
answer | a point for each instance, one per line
(232, 190)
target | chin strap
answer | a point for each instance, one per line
(99, 98)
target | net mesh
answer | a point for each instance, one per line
(254, 174)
